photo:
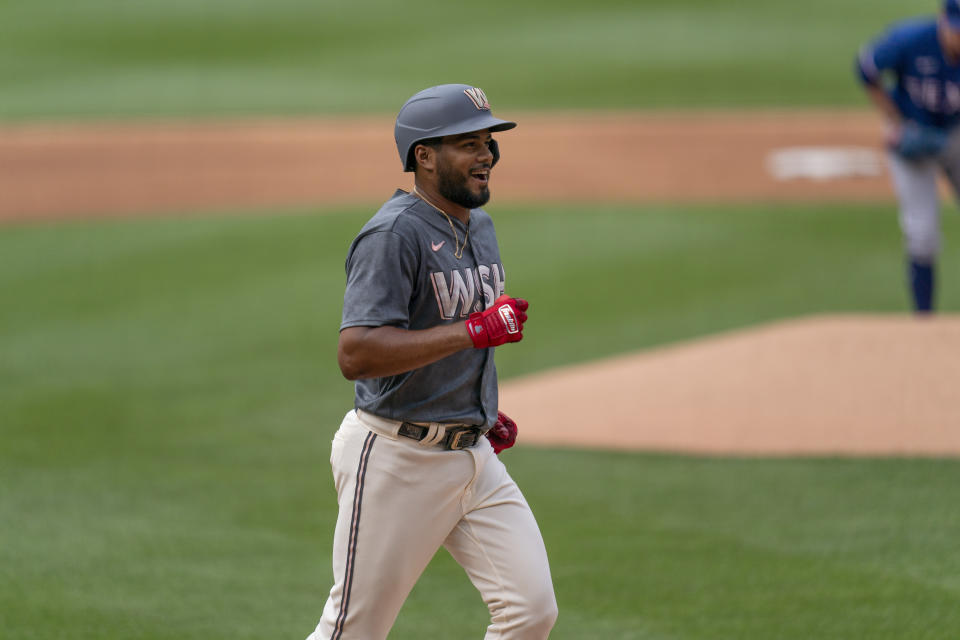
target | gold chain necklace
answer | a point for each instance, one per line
(457, 248)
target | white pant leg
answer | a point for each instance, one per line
(398, 503)
(499, 545)
(915, 182)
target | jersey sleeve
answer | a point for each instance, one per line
(381, 272)
(884, 54)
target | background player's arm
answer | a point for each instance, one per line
(870, 65)
(881, 99)
(375, 352)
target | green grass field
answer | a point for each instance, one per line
(99, 58)
(168, 390)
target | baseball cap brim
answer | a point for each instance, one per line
(951, 14)
(505, 125)
(483, 121)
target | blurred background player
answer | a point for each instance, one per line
(912, 74)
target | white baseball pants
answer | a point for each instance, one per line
(400, 502)
(915, 183)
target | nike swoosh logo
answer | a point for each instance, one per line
(437, 246)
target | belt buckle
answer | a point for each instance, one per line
(457, 437)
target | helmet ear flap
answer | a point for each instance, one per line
(411, 163)
(495, 150)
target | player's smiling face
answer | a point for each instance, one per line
(463, 168)
(949, 37)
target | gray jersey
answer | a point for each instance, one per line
(402, 272)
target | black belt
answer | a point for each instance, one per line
(455, 437)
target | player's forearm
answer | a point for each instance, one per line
(374, 352)
(884, 103)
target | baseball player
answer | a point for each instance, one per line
(424, 309)
(912, 74)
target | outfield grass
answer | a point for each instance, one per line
(168, 390)
(60, 58)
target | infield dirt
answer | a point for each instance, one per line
(60, 170)
(844, 385)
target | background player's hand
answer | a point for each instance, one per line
(891, 135)
(501, 323)
(502, 435)
(915, 140)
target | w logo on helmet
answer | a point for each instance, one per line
(478, 97)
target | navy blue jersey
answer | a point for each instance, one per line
(909, 63)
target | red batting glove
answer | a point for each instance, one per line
(503, 434)
(501, 323)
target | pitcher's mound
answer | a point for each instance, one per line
(851, 384)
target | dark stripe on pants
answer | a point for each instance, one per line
(354, 530)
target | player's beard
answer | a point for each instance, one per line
(453, 187)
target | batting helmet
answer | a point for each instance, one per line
(444, 110)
